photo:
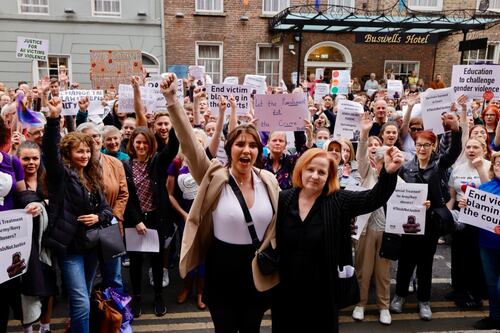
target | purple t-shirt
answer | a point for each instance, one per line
(11, 172)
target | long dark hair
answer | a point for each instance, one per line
(234, 134)
(40, 174)
(150, 138)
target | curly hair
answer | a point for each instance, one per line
(92, 173)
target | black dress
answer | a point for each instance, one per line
(303, 292)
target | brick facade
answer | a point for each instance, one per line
(240, 40)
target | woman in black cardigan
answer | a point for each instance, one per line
(313, 236)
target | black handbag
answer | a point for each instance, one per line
(443, 221)
(267, 259)
(391, 246)
(108, 238)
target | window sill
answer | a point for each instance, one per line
(221, 14)
(267, 15)
(426, 9)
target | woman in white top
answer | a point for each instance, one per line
(216, 230)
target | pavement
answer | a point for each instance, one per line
(186, 318)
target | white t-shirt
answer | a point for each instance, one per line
(464, 175)
(229, 222)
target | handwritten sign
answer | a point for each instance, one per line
(433, 104)
(474, 80)
(241, 95)
(284, 112)
(15, 243)
(70, 100)
(482, 211)
(110, 68)
(406, 210)
(321, 90)
(348, 119)
(32, 48)
(256, 82)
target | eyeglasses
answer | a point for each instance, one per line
(425, 145)
(416, 129)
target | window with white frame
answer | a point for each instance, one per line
(274, 6)
(494, 5)
(269, 63)
(489, 55)
(106, 8)
(210, 55)
(52, 67)
(429, 5)
(341, 3)
(401, 69)
(40, 7)
(215, 6)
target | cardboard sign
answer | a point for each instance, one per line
(231, 80)
(348, 119)
(321, 90)
(340, 81)
(433, 103)
(474, 80)
(406, 210)
(70, 100)
(361, 220)
(241, 95)
(393, 87)
(15, 243)
(126, 98)
(110, 68)
(256, 82)
(284, 112)
(32, 48)
(482, 211)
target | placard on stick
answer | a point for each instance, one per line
(110, 68)
(285, 112)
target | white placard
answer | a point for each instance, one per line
(283, 112)
(256, 82)
(394, 86)
(321, 90)
(293, 77)
(482, 211)
(433, 103)
(198, 73)
(348, 119)
(340, 81)
(70, 100)
(474, 80)
(361, 220)
(16, 228)
(416, 111)
(320, 72)
(142, 243)
(231, 80)
(241, 95)
(153, 82)
(126, 98)
(406, 210)
(32, 48)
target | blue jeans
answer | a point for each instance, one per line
(111, 272)
(491, 267)
(78, 273)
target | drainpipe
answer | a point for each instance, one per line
(163, 46)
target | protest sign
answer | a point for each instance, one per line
(474, 80)
(406, 210)
(16, 227)
(198, 74)
(283, 112)
(241, 95)
(293, 77)
(231, 80)
(70, 100)
(340, 81)
(256, 82)
(126, 98)
(110, 68)
(393, 87)
(321, 90)
(482, 211)
(32, 48)
(153, 82)
(320, 72)
(416, 111)
(348, 119)
(361, 220)
(433, 103)
(181, 71)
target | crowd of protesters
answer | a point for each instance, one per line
(189, 174)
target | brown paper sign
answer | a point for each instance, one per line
(109, 68)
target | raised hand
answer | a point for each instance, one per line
(450, 120)
(366, 122)
(222, 105)
(55, 107)
(83, 104)
(168, 88)
(393, 160)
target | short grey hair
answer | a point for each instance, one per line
(109, 130)
(88, 126)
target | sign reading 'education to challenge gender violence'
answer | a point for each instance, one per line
(482, 211)
(110, 68)
(32, 48)
(474, 80)
(15, 243)
(285, 112)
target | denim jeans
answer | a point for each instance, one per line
(78, 273)
(491, 266)
(111, 272)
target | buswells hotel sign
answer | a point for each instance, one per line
(395, 38)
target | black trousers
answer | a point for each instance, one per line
(416, 251)
(234, 319)
(11, 299)
(466, 267)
